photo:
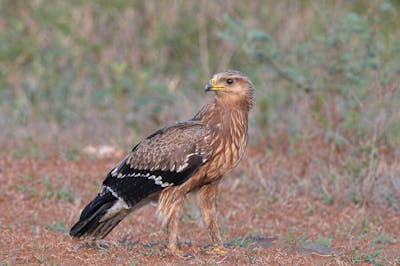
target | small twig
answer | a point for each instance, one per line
(281, 72)
(369, 181)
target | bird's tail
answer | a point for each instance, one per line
(99, 217)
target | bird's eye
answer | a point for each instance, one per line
(229, 81)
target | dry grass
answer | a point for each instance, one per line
(42, 197)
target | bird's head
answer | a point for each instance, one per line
(232, 87)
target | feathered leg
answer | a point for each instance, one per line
(206, 198)
(169, 207)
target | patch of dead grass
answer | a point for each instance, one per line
(258, 227)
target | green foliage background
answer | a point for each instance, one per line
(326, 70)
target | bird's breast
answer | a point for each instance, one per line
(227, 142)
(227, 154)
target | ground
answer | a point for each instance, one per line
(44, 189)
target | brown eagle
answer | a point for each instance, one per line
(189, 156)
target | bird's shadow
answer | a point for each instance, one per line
(252, 241)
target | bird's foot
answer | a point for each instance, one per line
(219, 250)
(216, 250)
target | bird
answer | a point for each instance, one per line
(186, 157)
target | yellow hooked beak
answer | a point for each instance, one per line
(212, 86)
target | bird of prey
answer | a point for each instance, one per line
(186, 157)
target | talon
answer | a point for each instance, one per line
(219, 250)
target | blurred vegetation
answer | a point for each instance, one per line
(326, 73)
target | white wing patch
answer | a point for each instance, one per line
(157, 180)
(121, 201)
(185, 163)
(182, 167)
(114, 172)
(116, 208)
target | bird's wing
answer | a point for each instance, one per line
(166, 158)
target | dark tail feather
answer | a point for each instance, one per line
(98, 219)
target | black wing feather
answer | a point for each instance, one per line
(132, 189)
